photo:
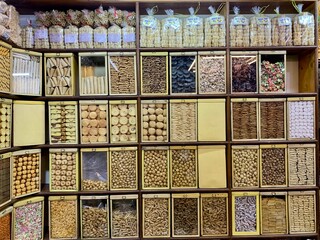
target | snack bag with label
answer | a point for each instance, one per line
(239, 30)
(303, 27)
(193, 30)
(150, 29)
(260, 28)
(281, 29)
(56, 32)
(171, 31)
(215, 28)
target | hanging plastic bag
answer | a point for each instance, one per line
(260, 28)
(150, 29)
(171, 31)
(193, 29)
(239, 30)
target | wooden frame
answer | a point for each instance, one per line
(81, 83)
(4, 101)
(2, 157)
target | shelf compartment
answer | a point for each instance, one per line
(94, 169)
(245, 166)
(302, 164)
(155, 168)
(5, 179)
(186, 215)
(6, 65)
(156, 215)
(124, 216)
(26, 172)
(94, 121)
(214, 214)
(93, 73)
(63, 217)
(212, 177)
(5, 222)
(94, 215)
(6, 123)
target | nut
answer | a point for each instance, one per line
(94, 222)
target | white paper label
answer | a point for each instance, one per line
(240, 21)
(172, 23)
(263, 21)
(284, 21)
(305, 19)
(193, 21)
(216, 20)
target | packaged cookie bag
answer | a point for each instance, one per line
(281, 29)
(193, 29)
(150, 28)
(260, 28)
(239, 30)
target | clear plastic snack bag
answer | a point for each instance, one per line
(100, 39)
(281, 29)
(115, 16)
(193, 29)
(260, 28)
(150, 28)
(128, 36)
(171, 31)
(71, 37)
(130, 18)
(303, 27)
(87, 18)
(73, 17)
(86, 37)
(101, 17)
(239, 30)
(114, 36)
(215, 28)
(28, 35)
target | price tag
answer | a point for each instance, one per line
(216, 20)
(172, 23)
(240, 21)
(263, 21)
(193, 21)
(284, 21)
(305, 19)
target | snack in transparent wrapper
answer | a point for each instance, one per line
(130, 18)
(41, 37)
(28, 35)
(3, 7)
(73, 17)
(239, 30)
(101, 17)
(4, 20)
(56, 37)
(86, 37)
(128, 36)
(100, 37)
(115, 16)
(58, 18)
(114, 36)
(281, 29)
(150, 29)
(171, 31)
(193, 30)
(14, 17)
(87, 18)
(43, 19)
(71, 35)
(303, 27)
(215, 29)
(260, 28)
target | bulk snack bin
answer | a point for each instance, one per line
(122, 73)
(211, 127)
(272, 119)
(63, 122)
(5, 223)
(154, 73)
(93, 73)
(28, 219)
(214, 214)
(124, 216)
(94, 215)
(245, 166)
(273, 165)
(244, 72)
(212, 72)
(154, 124)
(244, 122)
(212, 177)
(63, 170)
(156, 215)
(26, 72)
(183, 167)
(245, 213)
(94, 169)
(5, 66)
(183, 69)
(302, 164)
(301, 118)
(5, 123)
(5, 178)
(272, 71)
(183, 120)
(155, 168)
(302, 212)
(59, 72)
(185, 215)
(123, 168)
(63, 217)
(26, 172)
(94, 121)
(123, 121)
(274, 214)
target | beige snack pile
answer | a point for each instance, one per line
(215, 28)
(171, 30)
(193, 34)
(59, 79)
(95, 222)
(26, 174)
(260, 28)
(150, 29)
(303, 27)
(281, 29)
(94, 127)
(5, 124)
(239, 30)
